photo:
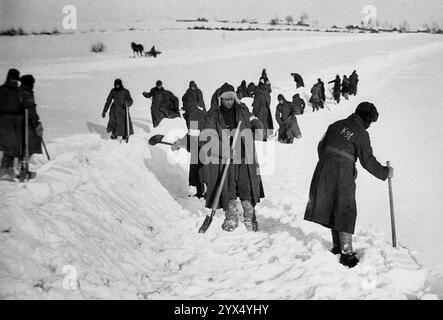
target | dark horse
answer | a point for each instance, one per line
(137, 48)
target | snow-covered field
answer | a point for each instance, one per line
(116, 218)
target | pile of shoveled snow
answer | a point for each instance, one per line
(105, 219)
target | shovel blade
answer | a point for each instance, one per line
(156, 139)
(205, 225)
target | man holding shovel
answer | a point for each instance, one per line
(332, 192)
(214, 133)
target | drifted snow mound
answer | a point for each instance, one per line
(112, 220)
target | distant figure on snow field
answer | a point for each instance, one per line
(353, 81)
(153, 53)
(345, 87)
(336, 89)
(118, 100)
(316, 97)
(164, 104)
(298, 80)
(332, 192)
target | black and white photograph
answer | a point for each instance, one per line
(243, 151)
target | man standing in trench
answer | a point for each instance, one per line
(243, 179)
(332, 192)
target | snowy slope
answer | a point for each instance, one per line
(127, 236)
(119, 217)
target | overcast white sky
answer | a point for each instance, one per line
(35, 14)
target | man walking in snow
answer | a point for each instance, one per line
(316, 97)
(243, 179)
(353, 81)
(262, 107)
(336, 89)
(332, 192)
(118, 100)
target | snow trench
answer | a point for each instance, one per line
(110, 220)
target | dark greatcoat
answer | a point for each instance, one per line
(194, 113)
(261, 107)
(286, 119)
(243, 179)
(336, 89)
(299, 104)
(164, 105)
(332, 192)
(353, 81)
(12, 110)
(118, 100)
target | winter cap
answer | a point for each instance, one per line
(192, 84)
(226, 88)
(159, 83)
(280, 97)
(367, 112)
(28, 80)
(118, 82)
(13, 74)
(226, 91)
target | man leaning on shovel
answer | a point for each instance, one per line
(332, 192)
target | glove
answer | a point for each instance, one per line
(391, 172)
(39, 130)
(180, 143)
(104, 115)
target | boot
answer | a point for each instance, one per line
(349, 260)
(250, 217)
(113, 136)
(7, 174)
(231, 218)
(347, 256)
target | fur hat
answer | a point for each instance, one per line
(118, 82)
(158, 83)
(227, 91)
(192, 84)
(280, 97)
(13, 74)
(367, 112)
(28, 80)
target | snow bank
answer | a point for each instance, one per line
(105, 219)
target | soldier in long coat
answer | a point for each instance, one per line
(243, 180)
(261, 107)
(285, 115)
(332, 192)
(118, 100)
(164, 104)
